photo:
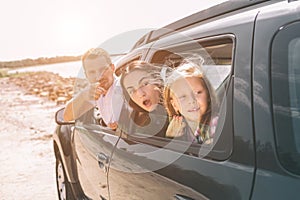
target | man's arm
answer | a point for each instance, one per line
(78, 106)
(83, 102)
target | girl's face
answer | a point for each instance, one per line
(189, 97)
(142, 91)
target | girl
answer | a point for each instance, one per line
(189, 99)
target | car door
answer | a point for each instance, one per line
(93, 145)
(144, 167)
(276, 107)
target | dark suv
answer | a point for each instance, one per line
(251, 51)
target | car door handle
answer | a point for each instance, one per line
(102, 159)
(181, 197)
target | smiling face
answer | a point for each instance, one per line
(142, 91)
(190, 97)
(98, 70)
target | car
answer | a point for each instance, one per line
(251, 57)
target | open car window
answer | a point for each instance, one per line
(216, 55)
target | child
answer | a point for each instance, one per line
(189, 99)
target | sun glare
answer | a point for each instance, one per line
(72, 30)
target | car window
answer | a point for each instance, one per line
(216, 66)
(286, 95)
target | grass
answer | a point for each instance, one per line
(4, 73)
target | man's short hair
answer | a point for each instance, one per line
(95, 53)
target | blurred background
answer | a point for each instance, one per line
(34, 28)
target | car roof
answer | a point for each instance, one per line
(217, 10)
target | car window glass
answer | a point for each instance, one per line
(286, 95)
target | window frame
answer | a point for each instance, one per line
(222, 150)
(281, 109)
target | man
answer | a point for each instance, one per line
(101, 91)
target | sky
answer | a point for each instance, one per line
(49, 28)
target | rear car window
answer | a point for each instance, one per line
(286, 95)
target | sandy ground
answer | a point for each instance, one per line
(27, 163)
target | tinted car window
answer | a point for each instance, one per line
(286, 95)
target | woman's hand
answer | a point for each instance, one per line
(176, 126)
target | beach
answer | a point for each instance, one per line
(27, 159)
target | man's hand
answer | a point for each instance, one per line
(176, 126)
(95, 91)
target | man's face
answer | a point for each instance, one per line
(95, 68)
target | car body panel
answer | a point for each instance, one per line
(93, 146)
(203, 177)
(62, 145)
(272, 180)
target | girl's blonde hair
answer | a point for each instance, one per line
(189, 69)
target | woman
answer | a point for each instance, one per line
(142, 86)
(190, 99)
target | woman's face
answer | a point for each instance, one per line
(189, 97)
(141, 89)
